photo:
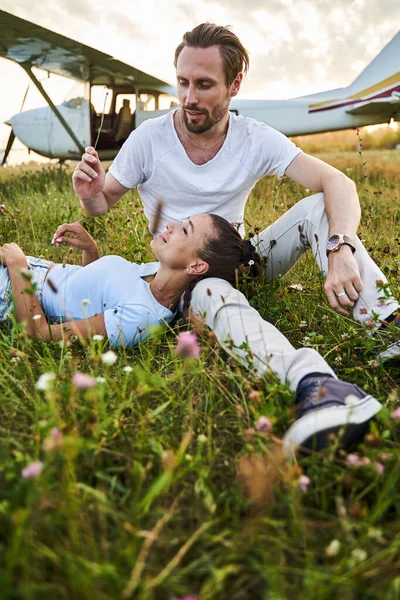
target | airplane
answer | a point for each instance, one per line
(63, 131)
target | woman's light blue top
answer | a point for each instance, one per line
(110, 285)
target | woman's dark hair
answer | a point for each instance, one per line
(225, 250)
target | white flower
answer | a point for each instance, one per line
(44, 382)
(85, 301)
(109, 358)
(333, 548)
(201, 438)
(98, 337)
(100, 379)
(250, 263)
(375, 534)
(127, 369)
(36, 317)
(15, 359)
(359, 555)
(352, 400)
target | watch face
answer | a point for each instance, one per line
(332, 242)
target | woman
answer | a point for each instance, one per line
(111, 296)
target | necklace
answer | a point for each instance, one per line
(192, 142)
(167, 298)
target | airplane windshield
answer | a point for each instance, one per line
(76, 97)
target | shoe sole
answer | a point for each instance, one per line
(390, 353)
(312, 431)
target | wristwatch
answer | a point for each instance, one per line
(335, 242)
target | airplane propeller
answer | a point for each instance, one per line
(12, 136)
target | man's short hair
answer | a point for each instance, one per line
(234, 55)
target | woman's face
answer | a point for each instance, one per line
(178, 247)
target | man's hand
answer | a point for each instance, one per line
(11, 254)
(343, 283)
(89, 176)
(78, 237)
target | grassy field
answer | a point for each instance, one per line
(155, 483)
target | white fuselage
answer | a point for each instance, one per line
(41, 131)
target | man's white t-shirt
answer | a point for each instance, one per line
(154, 160)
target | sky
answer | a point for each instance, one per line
(296, 47)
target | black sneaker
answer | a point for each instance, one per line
(393, 350)
(324, 406)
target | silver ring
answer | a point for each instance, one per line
(341, 294)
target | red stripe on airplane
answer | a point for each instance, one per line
(386, 94)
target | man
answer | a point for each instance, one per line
(201, 158)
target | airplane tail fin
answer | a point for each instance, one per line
(383, 71)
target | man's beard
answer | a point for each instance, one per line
(217, 114)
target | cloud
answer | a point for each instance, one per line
(296, 46)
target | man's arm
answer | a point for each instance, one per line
(97, 191)
(343, 210)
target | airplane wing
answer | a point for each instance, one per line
(374, 107)
(25, 42)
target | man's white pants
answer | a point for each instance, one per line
(239, 327)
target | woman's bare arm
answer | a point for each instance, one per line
(28, 307)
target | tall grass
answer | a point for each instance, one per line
(160, 486)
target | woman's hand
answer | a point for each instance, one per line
(78, 237)
(11, 254)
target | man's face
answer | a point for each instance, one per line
(202, 89)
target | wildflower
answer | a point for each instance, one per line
(32, 470)
(250, 263)
(201, 438)
(15, 359)
(264, 424)
(385, 456)
(187, 345)
(381, 303)
(98, 337)
(333, 548)
(396, 414)
(363, 310)
(355, 460)
(297, 287)
(54, 441)
(44, 382)
(100, 379)
(358, 555)
(254, 396)
(127, 369)
(375, 534)
(85, 302)
(352, 400)
(373, 363)
(303, 483)
(370, 323)
(36, 317)
(109, 358)
(81, 380)
(379, 468)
